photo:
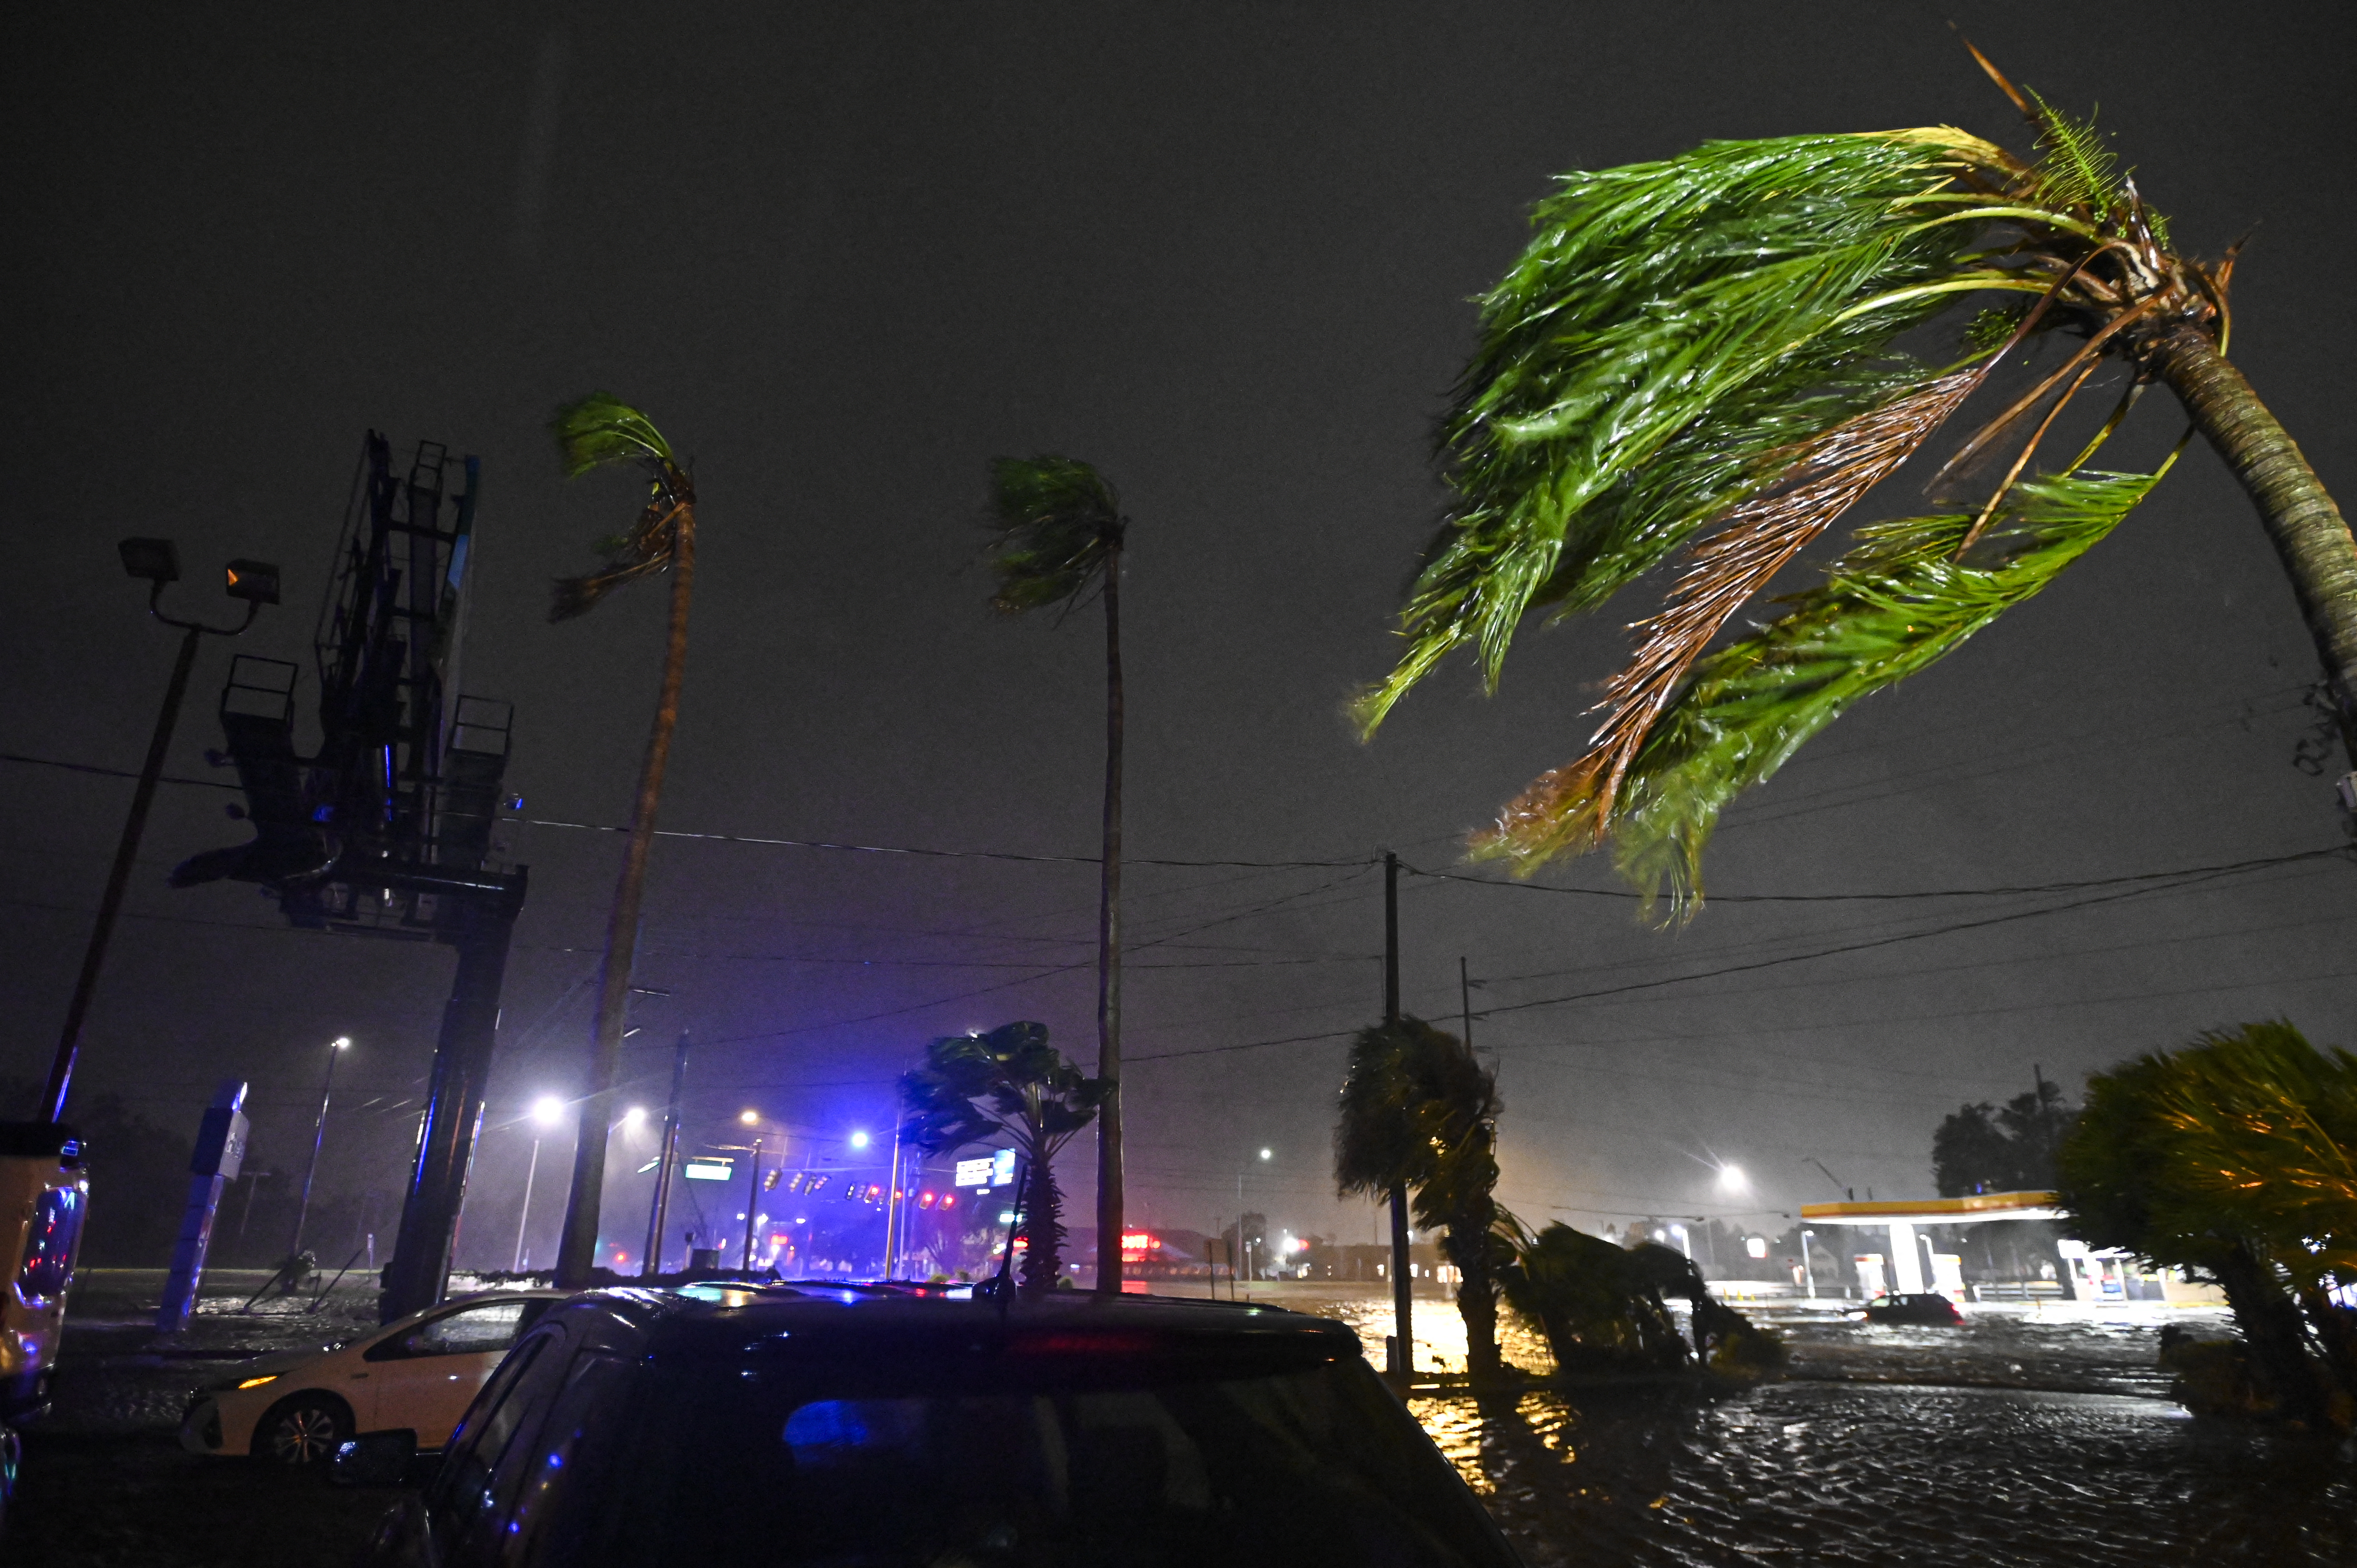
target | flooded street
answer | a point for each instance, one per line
(2014, 1439)
(2018, 1439)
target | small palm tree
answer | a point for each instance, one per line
(1057, 532)
(2236, 1155)
(1702, 353)
(1419, 1113)
(594, 433)
(1009, 1083)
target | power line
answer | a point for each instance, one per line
(2023, 890)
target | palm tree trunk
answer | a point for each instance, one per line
(2301, 521)
(1043, 1224)
(2270, 1326)
(577, 1250)
(1110, 1219)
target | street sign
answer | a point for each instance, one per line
(708, 1169)
(973, 1173)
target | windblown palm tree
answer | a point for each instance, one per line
(2236, 1155)
(1009, 1083)
(1702, 353)
(1058, 531)
(1419, 1113)
(594, 433)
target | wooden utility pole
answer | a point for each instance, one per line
(1402, 1360)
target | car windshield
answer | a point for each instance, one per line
(759, 1461)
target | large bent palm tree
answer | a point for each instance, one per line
(1702, 353)
(594, 432)
(1058, 531)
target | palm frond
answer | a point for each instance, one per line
(1057, 524)
(1673, 336)
(600, 429)
(593, 433)
(1892, 606)
(1759, 536)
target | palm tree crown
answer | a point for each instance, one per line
(1009, 1083)
(1703, 354)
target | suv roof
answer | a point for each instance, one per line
(722, 1317)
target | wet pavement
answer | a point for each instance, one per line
(2020, 1438)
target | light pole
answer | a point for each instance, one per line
(158, 564)
(752, 1189)
(1808, 1271)
(342, 1044)
(547, 1112)
(1243, 1246)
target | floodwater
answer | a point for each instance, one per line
(2020, 1438)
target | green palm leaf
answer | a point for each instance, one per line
(1057, 523)
(1672, 331)
(1892, 606)
(597, 432)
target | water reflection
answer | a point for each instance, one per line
(2011, 1441)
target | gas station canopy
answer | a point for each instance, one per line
(1964, 1210)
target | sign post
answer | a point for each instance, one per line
(221, 1150)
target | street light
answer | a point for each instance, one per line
(751, 1118)
(1243, 1247)
(547, 1112)
(1732, 1181)
(336, 1048)
(859, 1140)
(157, 564)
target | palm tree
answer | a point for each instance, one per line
(2236, 1155)
(1703, 352)
(1009, 1083)
(1058, 531)
(594, 432)
(1419, 1112)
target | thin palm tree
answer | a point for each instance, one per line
(597, 432)
(1009, 1083)
(1057, 532)
(1418, 1113)
(1703, 354)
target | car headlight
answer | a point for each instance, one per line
(257, 1383)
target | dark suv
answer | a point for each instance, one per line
(721, 1425)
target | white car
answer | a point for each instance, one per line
(418, 1375)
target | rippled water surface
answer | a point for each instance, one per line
(2014, 1440)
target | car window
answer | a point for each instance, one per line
(471, 1330)
(510, 1401)
(490, 1326)
(564, 1479)
(1314, 1465)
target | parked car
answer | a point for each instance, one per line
(415, 1375)
(709, 1424)
(1936, 1311)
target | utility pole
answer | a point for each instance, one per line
(666, 1150)
(319, 1135)
(752, 1205)
(892, 1209)
(1402, 1360)
(158, 564)
(1464, 1001)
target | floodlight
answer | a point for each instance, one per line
(254, 581)
(151, 560)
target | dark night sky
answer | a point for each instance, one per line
(844, 256)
